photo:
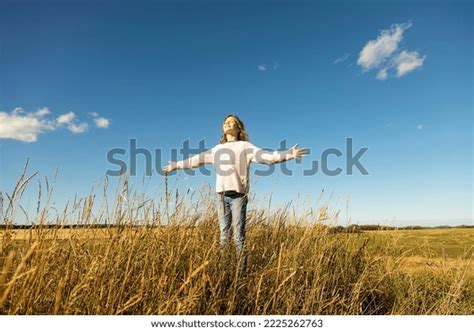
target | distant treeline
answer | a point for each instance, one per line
(373, 227)
(334, 229)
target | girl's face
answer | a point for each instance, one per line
(230, 126)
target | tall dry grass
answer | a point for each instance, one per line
(172, 263)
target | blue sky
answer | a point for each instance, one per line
(79, 78)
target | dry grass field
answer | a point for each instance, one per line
(295, 266)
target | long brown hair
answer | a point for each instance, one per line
(243, 135)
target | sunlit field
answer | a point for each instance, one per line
(296, 265)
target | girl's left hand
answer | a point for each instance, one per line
(298, 153)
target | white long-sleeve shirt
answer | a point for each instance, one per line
(231, 161)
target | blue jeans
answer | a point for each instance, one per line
(233, 210)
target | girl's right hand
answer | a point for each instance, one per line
(170, 167)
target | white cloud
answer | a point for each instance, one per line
(407, 61)
(383, 54)
(382, 74)
(265, 67)
(79, 128)
(101, 122)
(42, 112)
(66, 118)
(341, 59)
(18, 111)
(22, 126)
(69, 119)
(18, 127)
(27, 126)
(375, 52)
(420, 126)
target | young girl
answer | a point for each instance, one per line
(231, 159)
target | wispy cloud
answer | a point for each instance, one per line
(27, 126)
(383, 54)
(77, 128)
(382, 74)
(341, 59)
(18, 111)
(266, 67)
(419, 126)
(406, 62)
(66, 118)
(100, 122)
(69, 119)
(42, 112)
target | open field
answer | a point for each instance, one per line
(292, 270)
(446, 243)
(441, 243)
(296, 265)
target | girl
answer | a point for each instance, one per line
(231, 159)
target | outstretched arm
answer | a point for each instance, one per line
(268, 157)
(191, 162)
